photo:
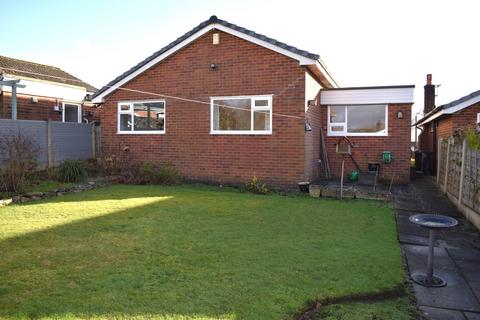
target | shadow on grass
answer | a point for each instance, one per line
(124, 191)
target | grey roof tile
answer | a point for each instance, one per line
(213, 19)
(40, 71)
(450, 105)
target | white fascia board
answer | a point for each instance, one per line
(302, 60)
(432, 117)
(48, 89)
(367, 96)
(462, 105)
(326, 73)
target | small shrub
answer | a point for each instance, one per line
(20, 161)
(166, 174)
(473, 139)
(72, 171)
(256, 186)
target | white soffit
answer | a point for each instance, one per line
(367, 95)
(41, 88)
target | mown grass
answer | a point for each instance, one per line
(190, 252)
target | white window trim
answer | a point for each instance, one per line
(79, 110)
(131, 103)
(359, 134)
(252, 110)
(478, 118)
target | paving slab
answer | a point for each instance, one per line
(441, 314)
(472, 316)
(457, 294)
(469, 263)
(457, 252)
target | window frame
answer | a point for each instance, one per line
(131, 112)
(384, 133)
(79, 111)
(478, 118)
(253, 109)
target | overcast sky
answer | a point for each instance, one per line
(362, 43)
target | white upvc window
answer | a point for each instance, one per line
(141, 117)
(478, 118)
(241, 115)
(358, 120)
(71, 112)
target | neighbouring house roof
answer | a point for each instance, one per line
(304, 57)
(39, 71)
(451, 107)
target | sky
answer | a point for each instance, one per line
(362, 43)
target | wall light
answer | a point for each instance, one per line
(400, 114)
(213, 66)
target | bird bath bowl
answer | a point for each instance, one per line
(432, 222)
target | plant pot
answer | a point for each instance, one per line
(304, 186)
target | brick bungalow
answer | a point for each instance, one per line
(442, 122)
(223, 103)
(49, 94)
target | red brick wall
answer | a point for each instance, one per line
(444, 128)
(41, 110)
(425, 138)
(243, 68)
(466, 118)
(369, 149)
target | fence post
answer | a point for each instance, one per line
(94, 140)
(462, 171)
(439, 158)
(446, 166)
(49, 144)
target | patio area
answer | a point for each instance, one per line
(457, 252)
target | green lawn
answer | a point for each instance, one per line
(191, 252)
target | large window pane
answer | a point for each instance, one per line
(337, 114)
(71, 112)
(261, 120)
(149, 116)
(125, 122)
(366, 119)
(232, 114)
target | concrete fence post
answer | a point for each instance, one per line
(462, 171)
(94, 140)
(49, 144)
(447, 164)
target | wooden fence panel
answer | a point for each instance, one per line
(442, 161)
(458, 175)
(56, 141)
(454, 169)
(471, 180)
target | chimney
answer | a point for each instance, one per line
(429, 102)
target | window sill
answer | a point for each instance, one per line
(330, 134)
(243, 133)
(141, 132)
